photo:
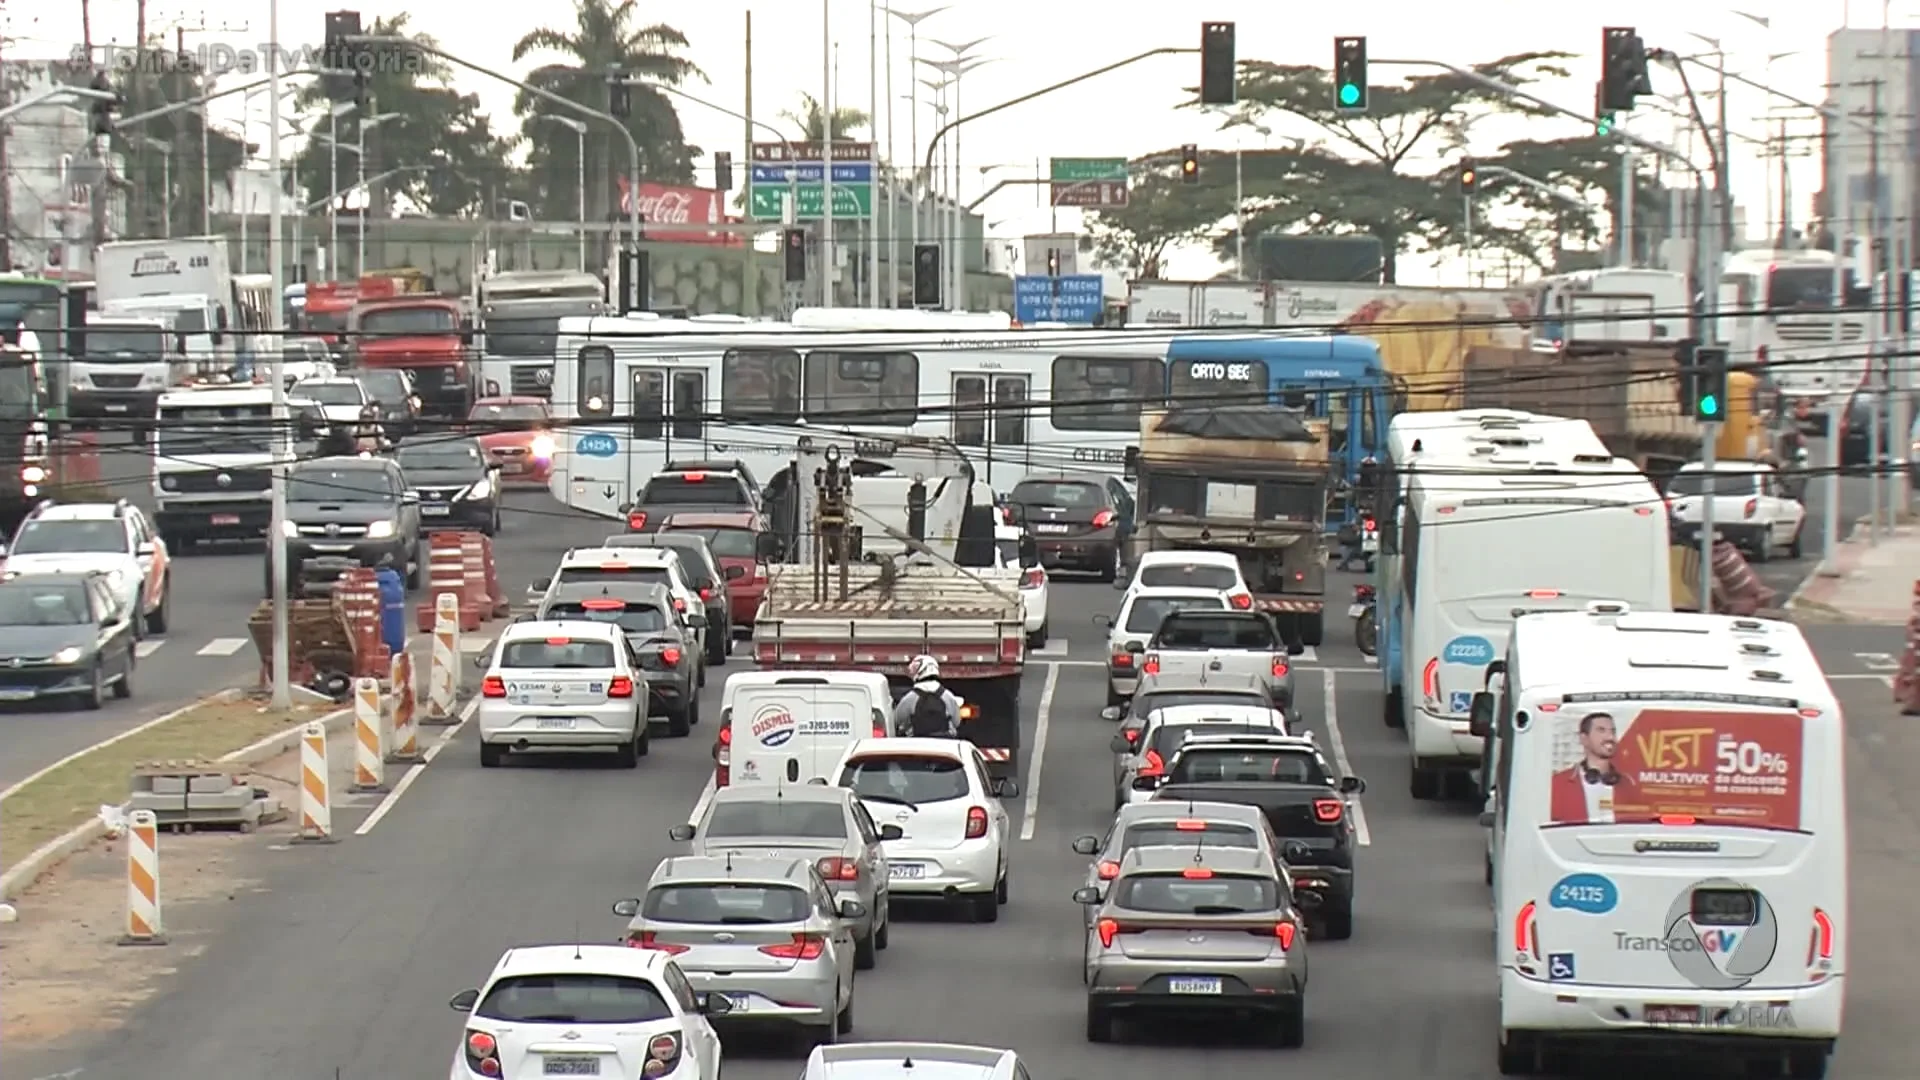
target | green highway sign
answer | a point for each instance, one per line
(1072, 170)
(849, 201)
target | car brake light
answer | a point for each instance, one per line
(835, 868)
(663, 1055)
(1154, 765)
(649, 940)
(1108, 870)
(1190, 826)
(1152, 666)
(976, 822)
(1430, 680)
(1284, 932)
(1279, 666)
(1108, 929)
(621, 686)
(802, 947)
(493, 686)
(1006, 515)
(483, 1053)
(1368, 525)
(1035, 578)
(559, 641)
(1677, 819)
(1328, 811)
(601, 604)
(614, 567)
(1103, 519)
(1526, 937)
(679, 604)
(706, 594)
(1196, 874)
(636, 521)
(1543, 594)
(1241, 600)
(694, 477)
(1821, 945)
(1122, 660)
(670, 656)
(1752, 508)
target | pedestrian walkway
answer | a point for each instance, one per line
(1871, 583)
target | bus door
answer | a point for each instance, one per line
(990, 412)
(669, 407)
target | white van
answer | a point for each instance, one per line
(1670, 838)
(793, 726)
(1479, 549)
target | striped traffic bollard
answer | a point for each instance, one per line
(369, 760)
(404, 748)
(443, 673)
(143, 881)
(316, 788)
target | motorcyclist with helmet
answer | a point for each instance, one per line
(928, 709)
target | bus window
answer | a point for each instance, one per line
(649, 402)
(760, 384)
(1092, 393)
(1370, 420)
(969, 410)
(1010, 410)
(595, 382)
(865, 388)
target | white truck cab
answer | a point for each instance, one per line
(130, 360)
(794, 726)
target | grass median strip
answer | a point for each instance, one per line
(67, 796)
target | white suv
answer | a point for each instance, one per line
(114, 539)
(586, 1010)
(1750, 507)
(954, 831)
(559, 684)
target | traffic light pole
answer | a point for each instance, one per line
(1708, 446)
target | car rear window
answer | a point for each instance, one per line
(712, 489)
(1145, 704)
(1167, 737)
(1700, 482)
(777, 817)
(645, 575)
(573, 999)
(914, 778)
(1247, 765)
(724, 543)
(1177, 894)
(1188, 576)
(1146, 613)
(727, 904)
(557, 653)
(1170, 834)
(1066, 495)
(1204, 630)
(630, 618)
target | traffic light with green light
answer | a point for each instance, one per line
(1350, 74)
(1710, 385)
(1604, 125)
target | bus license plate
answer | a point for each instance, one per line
(226, 519)
(1193, 986)
(1672, 1014)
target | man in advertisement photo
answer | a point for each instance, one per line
(1587, 791)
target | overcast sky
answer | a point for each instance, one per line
(1032, 44)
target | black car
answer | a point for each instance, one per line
(1079, 522)
(344, 512)
(392, 390)
(703, 573)
(458, 484)
(644, 613)
(689, 491)
(64, 635)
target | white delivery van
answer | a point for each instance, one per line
(792, 727)
(1669, 839)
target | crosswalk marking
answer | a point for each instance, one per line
(147, 648)
(1874, 661)
(222, 646)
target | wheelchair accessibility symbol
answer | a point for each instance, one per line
(1560, 966)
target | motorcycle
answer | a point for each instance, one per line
(1365, 623)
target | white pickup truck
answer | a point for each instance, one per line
(1195, 640)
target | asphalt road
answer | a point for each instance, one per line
(364, 940)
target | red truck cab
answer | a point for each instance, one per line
(329, 304)
(429, 336)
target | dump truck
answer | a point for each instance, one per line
(1250, 480)
(429, 336)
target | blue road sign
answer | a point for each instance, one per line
(856, 172)
(1075, 298)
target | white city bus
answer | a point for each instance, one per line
(1670, 840)
(1460, 440)
(635, 394)
(1785, 318)
(1480, 548)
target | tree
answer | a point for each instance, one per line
(604, 38)
(468, 172)
(846, 122)
(1312, 190)
(168, 150)
(1586, 172)
(1161, 211)
(1400, 120)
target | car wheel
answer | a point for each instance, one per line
(1290, 1027)
(1002, 892)
(157, 618)
(1793, 546)
(718, 638)
(1763, 550)
(1338, 924)
(1112, 568)
(94, 696)
(680, 722)
(865, 953)
(843, 1024)
(491, 756)
(1038, 639)
(693, 713)
(1099, 1023)
(627, 754)
(886, 924)
(123, 689)
(986, 906)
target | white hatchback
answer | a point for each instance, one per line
(1013, 550)
(1194, 571)
(562, 685)
(954, 833)
(602, 1011)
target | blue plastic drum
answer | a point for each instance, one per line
(393, 609)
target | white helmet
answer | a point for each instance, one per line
(923, 669)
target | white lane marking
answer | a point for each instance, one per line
(413, 773)
(1361, 834)
(1039, 752)
(147, 648)
(222, 646)
(1877, 661)
(475, 644)
(1307, 656)
(1052, 648)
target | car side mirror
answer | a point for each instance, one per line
(1294, 851)
(1111, 712)
(1486, 819)
(852, 909)
(891, 832)
(712, 1004)
(766, 547)
(1104, 622)
(410, 498)
(1120, 744)
(1480, 715)
(1003, 787)
(110, 620)
(481, 661)
(680, 834)
(464, 1001)
(1352, 785)
(145, 548)
(1086, 895)
(735, 573)
(1136, 648)
(1147, 783)
(698, 622)
(1086, 845)
(541, 585)
(627, 908)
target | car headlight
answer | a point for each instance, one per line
(543, 446)
(168, 483)
(68, 655)
(32, 474)
(380, 530)
(117, 579)
(289, 530)
(481, 488)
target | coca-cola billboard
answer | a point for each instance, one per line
(674, 214)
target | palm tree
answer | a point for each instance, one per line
(604, 38)
(813, 128)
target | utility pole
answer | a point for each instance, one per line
(1877, 392)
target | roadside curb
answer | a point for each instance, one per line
(1795, 601)
(17, 878)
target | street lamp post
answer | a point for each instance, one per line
(333, 172)
(913, 19)
(282, 699)
(1240, 202)
(954, 222)
(166, 182)
(366, 195)
(579, 129)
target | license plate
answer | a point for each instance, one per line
(1050, 528)
(554, 723)
(907, 871)
(1672, 1014)
(226, 519)
(16, 693)
(1356, 611)
(738, 1001)
(436, 511)
(515, 468)
(116, 408)
(1193, 986)
(570, 1066)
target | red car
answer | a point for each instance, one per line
(731, 536)
(516, 433)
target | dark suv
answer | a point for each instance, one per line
(687, 490)
(344, 512)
